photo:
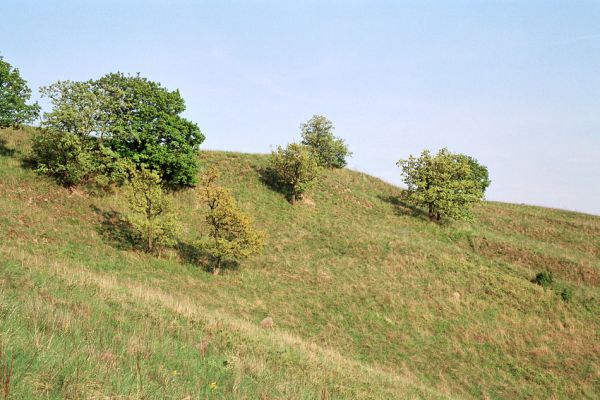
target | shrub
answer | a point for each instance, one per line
(446, 184)
(543, 278)
(294, 169)
(74, 160)
(566, 294)
(14, 94)
(64, 156)
(152, 216)
(231, 235)
(317, 134)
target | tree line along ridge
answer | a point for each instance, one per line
(126, 130)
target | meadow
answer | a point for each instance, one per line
(370, 300)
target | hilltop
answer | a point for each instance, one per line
(369, 299)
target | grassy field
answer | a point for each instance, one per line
(368, 298)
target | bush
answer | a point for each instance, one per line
(543, 278)
(74, 160)
(294, 169)
(566, 294)
(64, 156)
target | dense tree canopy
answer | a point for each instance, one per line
(136, 118)
(446, 184)
(317, 134)
(14, 94)
(479, 173)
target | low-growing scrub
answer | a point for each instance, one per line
(543, 278)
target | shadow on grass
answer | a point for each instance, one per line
(197, 256)
(4, 150)
(401, 207)
(116, 230)
(268, 178)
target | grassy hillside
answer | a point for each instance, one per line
(369, 299)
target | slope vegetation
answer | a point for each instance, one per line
(368, 298)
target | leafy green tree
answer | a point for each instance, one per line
(69, 147)
(445, 184)
(143, 119)
(317, 133)
(14, 94)
(136, 118)
(231, 233)
(479, 173)
(152, 216)
(294, 169)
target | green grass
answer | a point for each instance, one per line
(369, 299)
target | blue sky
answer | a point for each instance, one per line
(516, 84)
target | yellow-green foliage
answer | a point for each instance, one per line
(231, 233)
(445, 184)
(295, 169)
(331, 151)
(152, 215)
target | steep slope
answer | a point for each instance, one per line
(369, 299)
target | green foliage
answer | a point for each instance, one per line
(14, 94)
(231, 235)
(65, 156)
(152, 215)
(74, 160)
(317, 134)
(352, 289)
(145, 125)
(566, 295)
(138, 119)
(445, 184)
(294, 169)
(543, 278)
(479, 173)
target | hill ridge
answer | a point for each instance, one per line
(413, 309)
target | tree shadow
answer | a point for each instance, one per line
(268, 178)
(402, 208)
(197, 256)
(115, 229)
(4, 150)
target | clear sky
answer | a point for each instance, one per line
(515, 84)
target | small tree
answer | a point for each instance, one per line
(14, 94)
(445, 183)
(231, 234)
(152, 215)
(294, 169)
(317, 133)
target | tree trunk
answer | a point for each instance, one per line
(149, 242)
(217, 267)
(431, 213)
(293, 198)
